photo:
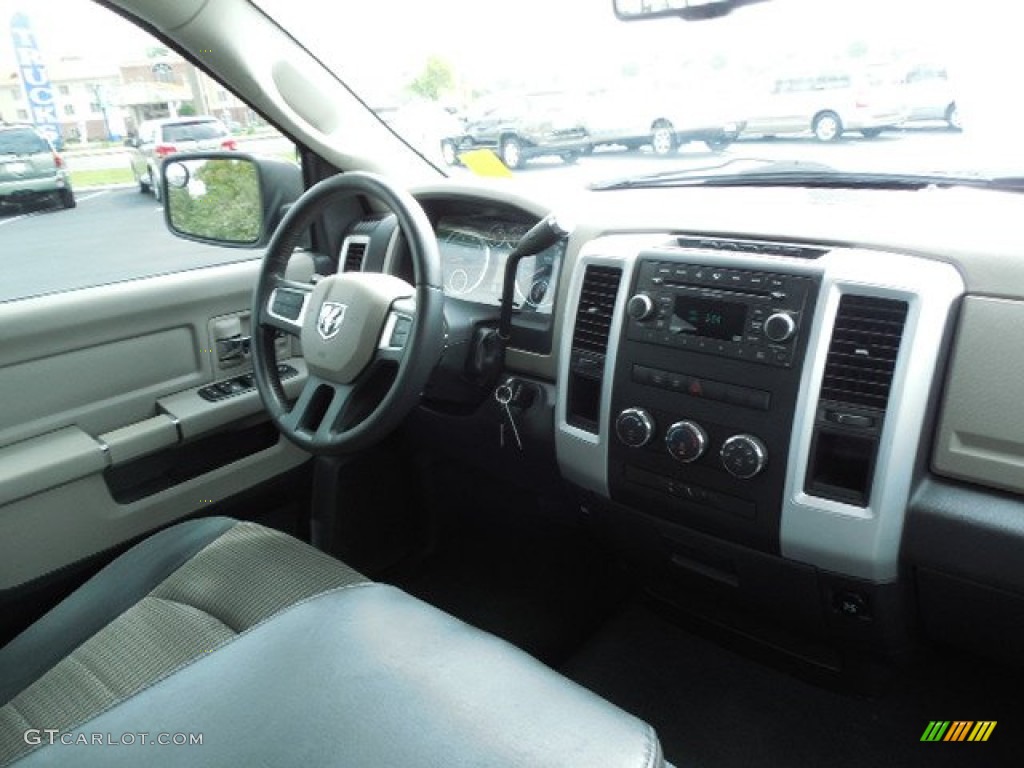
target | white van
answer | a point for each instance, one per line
(826, 105)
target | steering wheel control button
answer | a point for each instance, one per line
(640, 307)
(400, 334)
(287, 304)
(635, 427)
(686, 441)
(744, 456)
(780, 327)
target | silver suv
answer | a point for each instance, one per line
(157, 139)
(31, 169)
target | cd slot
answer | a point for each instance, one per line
(724, 292)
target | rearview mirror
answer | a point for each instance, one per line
(227, 198)
(691, 10)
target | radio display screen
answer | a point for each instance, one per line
(708, 317)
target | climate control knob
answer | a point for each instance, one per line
(640, 307)
(686, 441)
(744, 456)
(635, 427)
(779, 327)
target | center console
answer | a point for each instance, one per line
(746, 417)
(704, 390)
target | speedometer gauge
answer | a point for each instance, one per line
(465, 257)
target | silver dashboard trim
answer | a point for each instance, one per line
(346, 244)
(390, 251)
(855, 541)
(864, 542)
(582, 455)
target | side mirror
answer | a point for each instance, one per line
(131, 141)
(227, 198)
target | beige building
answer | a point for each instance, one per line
(97, 102)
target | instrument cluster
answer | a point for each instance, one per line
(474, 249)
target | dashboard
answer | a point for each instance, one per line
(775, 397)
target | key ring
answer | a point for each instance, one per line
(503, 394)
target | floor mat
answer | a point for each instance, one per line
(714, 708)
(540, 592)
(511, 563)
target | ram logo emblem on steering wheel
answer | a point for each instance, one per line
(332, 315)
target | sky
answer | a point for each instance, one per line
(73, 28)
(551, 40)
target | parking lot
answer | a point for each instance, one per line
(117, 233)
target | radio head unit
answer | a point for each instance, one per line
(735, 313)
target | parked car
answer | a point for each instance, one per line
(665, 119)
(826, 105)
(521, 127)
(157, 139)
(422, 123)
(928, 95)
(31, 169)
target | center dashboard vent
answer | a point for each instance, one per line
(862, 355)
(353, 252)
(594, 314)
(751, 246)
(590, 345)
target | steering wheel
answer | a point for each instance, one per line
(370, 340)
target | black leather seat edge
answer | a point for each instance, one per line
(359, 674)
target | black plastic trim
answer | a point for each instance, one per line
(157, 472)
(967, 531)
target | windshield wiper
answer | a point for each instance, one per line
(811, 176)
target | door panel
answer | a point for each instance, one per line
(95, 379)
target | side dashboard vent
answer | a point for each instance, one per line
(594, 313)
(750, 246)
(862, 354)
(353, 252)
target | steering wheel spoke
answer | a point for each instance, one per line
(319, 408)
(286, 307)
(330, 425)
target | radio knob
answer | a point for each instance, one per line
(744, 456)
(640, 307)
(635, 427)
(779, 327)
(686, 441)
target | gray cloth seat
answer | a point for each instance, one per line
(274, 653)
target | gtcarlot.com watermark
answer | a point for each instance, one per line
(37, 736)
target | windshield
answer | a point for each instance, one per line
(564, 91)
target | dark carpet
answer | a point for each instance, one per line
(714, 708)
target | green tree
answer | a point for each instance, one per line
(436, 78)
(187, 109)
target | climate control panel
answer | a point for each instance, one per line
(706, 376)
(742, 455)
